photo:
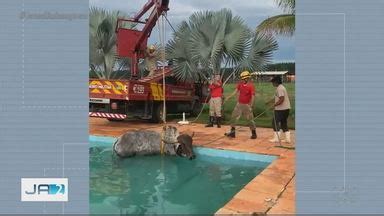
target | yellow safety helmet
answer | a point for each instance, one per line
(245, 75)
(152, 47)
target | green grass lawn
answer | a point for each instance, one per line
(264, 92)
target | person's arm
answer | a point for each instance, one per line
(252, 101)
(280, 101)
(281, 95)
(253, 92)
(231, 95)
(210, 87)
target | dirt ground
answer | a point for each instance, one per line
(270, 192)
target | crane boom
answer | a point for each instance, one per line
(132, 43)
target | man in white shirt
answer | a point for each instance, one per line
(282, 106)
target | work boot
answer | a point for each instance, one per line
(254, 136)
(276, 136)
(287, 136)
(218, 122)
(231, 133)
(210, 123)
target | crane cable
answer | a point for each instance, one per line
(166, 18)
(161, 28)
(206, 99)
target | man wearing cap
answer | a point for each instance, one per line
(282, 106)
(150, 60)
(246, 95)
(215, 103)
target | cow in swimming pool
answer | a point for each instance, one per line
(146, 142)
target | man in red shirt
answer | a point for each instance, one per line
(246, 95)
(216, 89)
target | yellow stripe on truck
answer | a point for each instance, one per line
(154, 91)
(121, 86)
(157, 92)
(113, 87)
(94, 90)
(160, 87)
(98, 90)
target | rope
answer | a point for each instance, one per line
(230, 75)
(205, 103)
(174, 31)
(221, 137)
(161, 28)
(274, 119)
(267, 109)
(206, 100)
(277, 131)
(201, 111)
(162, 143)
(163, 63)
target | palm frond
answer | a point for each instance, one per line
(177, 50)
(281, 25)
(236, 36)
(102, 40)
(287, 5)
(200, 46)
(260, 53)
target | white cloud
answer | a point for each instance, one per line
(184, 8)
(252, 11)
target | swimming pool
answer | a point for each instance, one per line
(166, 184)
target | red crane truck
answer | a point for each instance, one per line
(143, 97)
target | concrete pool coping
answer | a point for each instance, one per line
(270, 192)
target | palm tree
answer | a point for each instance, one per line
(210, 40)
(102, 43)
(283, 24)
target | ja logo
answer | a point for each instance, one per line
(47, 188)
(44, 189)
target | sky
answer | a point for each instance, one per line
(252, 11)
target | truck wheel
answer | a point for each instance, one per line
(157, 114)
(196, 108)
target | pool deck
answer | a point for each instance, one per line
(270, 192)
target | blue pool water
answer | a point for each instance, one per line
(166, 184)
